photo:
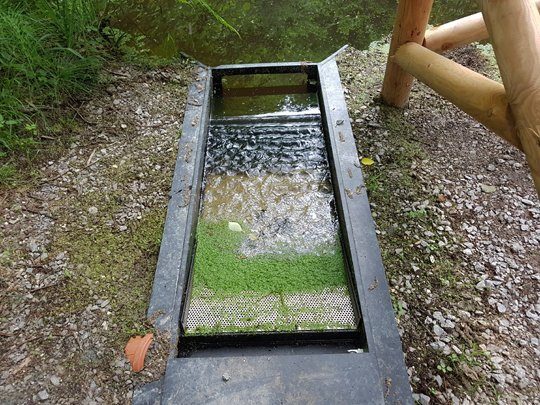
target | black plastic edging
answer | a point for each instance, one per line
(288, 374)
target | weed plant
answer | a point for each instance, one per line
(50, 53)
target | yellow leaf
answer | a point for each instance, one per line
(367, 161)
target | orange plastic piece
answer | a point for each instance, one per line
(136, 349)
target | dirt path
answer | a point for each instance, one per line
(457, 217)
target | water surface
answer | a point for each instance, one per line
(271, 30)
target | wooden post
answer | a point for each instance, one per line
(482, 98)
(458, 33)
(514, 29)
(411, 22)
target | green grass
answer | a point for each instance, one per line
(8, 174)
(50, 54)
(220, 268)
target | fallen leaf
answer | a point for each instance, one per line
(136, 349)
(235, 227)
(367, 161)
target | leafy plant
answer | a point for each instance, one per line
(215, 14)
(51, 52)
(417, 214)
(444, 368)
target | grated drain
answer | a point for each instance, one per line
(328, 309)
(272, 178)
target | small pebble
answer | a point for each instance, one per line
(43, 395)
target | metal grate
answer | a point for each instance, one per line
(328, 309)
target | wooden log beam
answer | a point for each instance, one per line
(482, 98)
(458, 33)
(514, 29)
(410, 26)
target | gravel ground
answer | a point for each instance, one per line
(79, 246)
(457, 217)
(459, 225)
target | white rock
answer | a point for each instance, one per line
(421, 399)
(438, 330)
(43, 395)
(487, 188)
(500, 378)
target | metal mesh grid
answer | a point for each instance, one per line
(328, 309)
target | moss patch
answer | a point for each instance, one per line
(220, 267)
(114, 265)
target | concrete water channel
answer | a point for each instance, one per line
(269, 280)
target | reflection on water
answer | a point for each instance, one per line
(264, 94)
(271, 30)
(285, 104)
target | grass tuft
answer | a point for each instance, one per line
(51, 52)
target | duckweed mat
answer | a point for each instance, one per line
(232, 292)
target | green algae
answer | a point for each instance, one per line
(116, 266)
(268, 327)
(220, 268)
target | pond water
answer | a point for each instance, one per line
(270, 30)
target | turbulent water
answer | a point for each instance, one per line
(274, 179)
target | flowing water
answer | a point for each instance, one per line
(268, 253)
(270, 30)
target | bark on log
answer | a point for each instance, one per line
(514, 29)
(410, 26)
